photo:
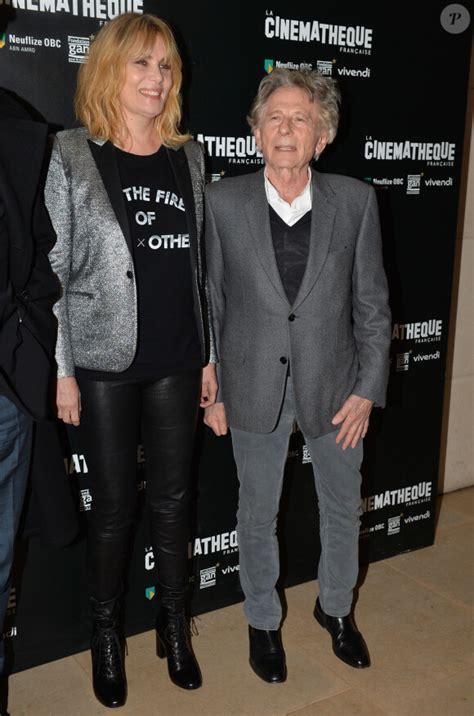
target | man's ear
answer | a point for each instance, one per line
(258, 136)
(321, 144)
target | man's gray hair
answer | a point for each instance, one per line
(322, 90)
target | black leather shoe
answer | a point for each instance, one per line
(108, 670)
(267, 657)
(173, 640)
(347, 642)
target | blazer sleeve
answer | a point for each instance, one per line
(370, 308)
(212, 338)
(216, 282)
(58, 203)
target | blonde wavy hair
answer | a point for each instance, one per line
(101, 78)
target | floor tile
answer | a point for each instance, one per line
(449, 697)
(414, 610)
(350, 703)
(461, 501)
(443, 568)
(447, 517)
(415, 635)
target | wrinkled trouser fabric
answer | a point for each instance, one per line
(260, 460)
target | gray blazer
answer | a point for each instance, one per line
(97, 313)
(335, 337)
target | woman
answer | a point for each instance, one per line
(125, 196)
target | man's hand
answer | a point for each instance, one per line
(68, 400)
(209, 386)
(215, 418)
(354, 416)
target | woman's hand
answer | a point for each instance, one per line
(68, 400)
(209, 385)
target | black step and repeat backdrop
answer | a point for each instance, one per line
(403, 70)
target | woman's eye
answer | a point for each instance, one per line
(142, 62)
(165, 66)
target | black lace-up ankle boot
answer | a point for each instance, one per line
(107, 649)
(173, 640)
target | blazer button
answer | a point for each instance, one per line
(130, 274)
(291, 317)
(283, 360)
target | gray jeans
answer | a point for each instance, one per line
(260, 460)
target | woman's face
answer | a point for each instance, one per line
(147, 83)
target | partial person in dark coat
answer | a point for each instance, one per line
(28, 289)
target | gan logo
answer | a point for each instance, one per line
(324, 67)
(150, 592)
(393, 525)
(403, 362)
(268, 66)
(85, 503)
(207, 577)
(413, 183)
(306, 455)
(78, 48)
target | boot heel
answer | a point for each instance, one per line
(160, 647)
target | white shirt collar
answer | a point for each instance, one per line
(290, 213)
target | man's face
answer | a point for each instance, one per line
(289, 132)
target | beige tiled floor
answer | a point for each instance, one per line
(415, 611)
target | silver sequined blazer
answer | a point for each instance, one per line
(97, 312)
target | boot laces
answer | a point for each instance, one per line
(109, 652)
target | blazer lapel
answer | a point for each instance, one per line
(258, 220)
(181, 172)
(322, 225)
(104, 157)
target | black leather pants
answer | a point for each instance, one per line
(114, 415)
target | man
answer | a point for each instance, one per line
(28, 288)
(302, 325)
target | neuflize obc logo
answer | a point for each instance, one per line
(268, 66)
(3, 40)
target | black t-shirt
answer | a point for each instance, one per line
(168, 340)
